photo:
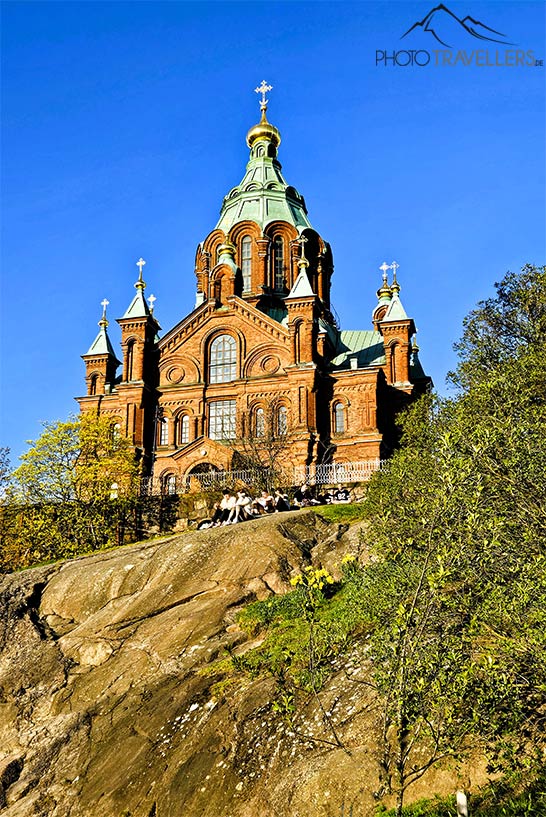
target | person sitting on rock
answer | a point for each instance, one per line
(241, 510)
(264, 503)
(221, 509)
(280, 501)
(230, 502)
(341, 494)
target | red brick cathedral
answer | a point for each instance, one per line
(261, 354)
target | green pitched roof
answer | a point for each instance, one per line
(302, 287)
(396, 311)
(366, 345)
(138, 308)
(101, 345)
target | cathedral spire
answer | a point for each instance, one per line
(102, 345)
(138, 308)
(395, 286)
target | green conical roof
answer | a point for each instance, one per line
(101, 345)
(263, 195)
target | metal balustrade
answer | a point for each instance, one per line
(337, 472)
(324, 474)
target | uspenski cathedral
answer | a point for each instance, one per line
(261, 354)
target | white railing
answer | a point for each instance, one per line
(249, 477)
(325, 474)
(334, 472)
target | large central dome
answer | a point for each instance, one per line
(263, 195)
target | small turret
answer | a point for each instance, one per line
(100, 360)
(138, 333)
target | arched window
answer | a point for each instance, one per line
(184, 430)
(116, 431)
(130, 359)
(93, 384)
(339, 418)
(164, 432)
(246, 262)
(278, 263)
(223, 359)
(259, 422)
(282, 421)
(394, 355)
(169, 484)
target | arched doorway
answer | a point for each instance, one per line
(205, 473)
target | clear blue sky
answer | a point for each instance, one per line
(124, 126)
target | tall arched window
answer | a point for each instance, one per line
(394, 355)
(339, 418)
(184, 430)
(93, 384)
(282, 421)
(259, 422)
(278, 263)
(223, 359)
(246, 262)
(164, 432)
(130, 359)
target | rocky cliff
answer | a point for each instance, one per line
(106, 708)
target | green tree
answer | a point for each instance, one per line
(459, 518)
(72, 492)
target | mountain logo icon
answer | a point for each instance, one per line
(443, 25)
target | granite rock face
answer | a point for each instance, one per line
(105, 707)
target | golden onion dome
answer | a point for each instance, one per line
(263, 131)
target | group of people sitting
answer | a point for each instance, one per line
(241, 507)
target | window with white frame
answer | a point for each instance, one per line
(259, 422)
(222, 420)
(246, 262)
(223, 359)
(282, 421)
(164, 432)
(339, 418)
(278, 263)
(184, 430)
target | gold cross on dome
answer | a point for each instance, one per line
(104, 303)
(151, 300)
(140, 263)
(263, 89)
(394, 267)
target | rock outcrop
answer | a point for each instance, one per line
(106, 707)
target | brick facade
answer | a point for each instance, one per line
(261, 335)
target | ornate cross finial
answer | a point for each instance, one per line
(103, 321)
(263, 89)
(151, 300)
(384, 267)
(302, 241)
(395, 285)
(140, 284)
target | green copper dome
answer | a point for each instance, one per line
(263, 195)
